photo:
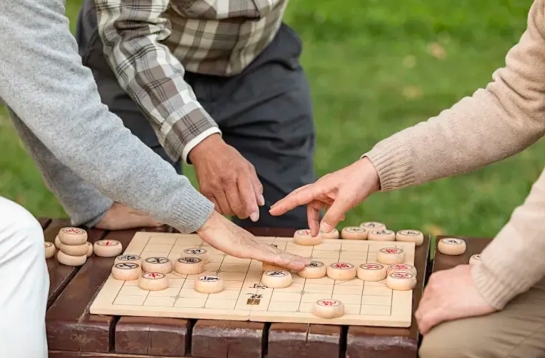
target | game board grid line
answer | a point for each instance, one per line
(242, 287)
(336, 283)
(363, 286)
(167, 255)
(124, 282)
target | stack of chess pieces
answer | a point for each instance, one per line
(72, 248)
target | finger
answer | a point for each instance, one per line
(430, 319)
(223, 204)
(260, 251)
(247, 198)
(313, 216)
(298, 198)
(258, 187)
(288, 260)
(343, 202)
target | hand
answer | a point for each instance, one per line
(450, 295)
(121, 217)
(227, 179)
(338, 192)
(226, 236)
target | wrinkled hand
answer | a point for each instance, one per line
(450, 295)
(338, 192)
(226, 236)
(227, 179)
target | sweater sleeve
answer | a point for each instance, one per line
(44, 82)
(513, 262)
(494, 123)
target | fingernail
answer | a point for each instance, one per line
(325, 227)
(254, 216)
(261, 200)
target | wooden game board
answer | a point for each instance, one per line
(244, 298)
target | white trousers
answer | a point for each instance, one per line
(24, 284)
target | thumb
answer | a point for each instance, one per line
(342, 203)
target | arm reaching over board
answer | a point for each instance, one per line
(58, 102)
(494, 123)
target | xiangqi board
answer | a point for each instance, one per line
(244, 296)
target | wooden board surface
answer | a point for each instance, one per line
(77, 333)
(473, 246)
(245, 297)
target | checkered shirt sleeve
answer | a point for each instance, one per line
(131, 33)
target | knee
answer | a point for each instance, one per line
(20, 228)
(455, 339)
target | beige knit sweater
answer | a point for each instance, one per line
(494, 123)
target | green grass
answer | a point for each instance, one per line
(377, 67)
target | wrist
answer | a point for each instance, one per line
(208, 145)
(213, 222)
(370, 173)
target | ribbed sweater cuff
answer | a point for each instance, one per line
(393, 162)
(493, 290)
(188, 210)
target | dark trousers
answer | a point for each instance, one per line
(264, 112)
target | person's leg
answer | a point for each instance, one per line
(266, 114)
(25, 283)
(518, 331)
(112, 95)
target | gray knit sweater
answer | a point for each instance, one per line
(44, 83)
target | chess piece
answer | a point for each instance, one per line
(315, 269)
(72, 236)
(371, 272)
(354, 233)
(333, 234)
(107, 248)
(50, 250)
(305, 238)
(75, 250)
(451, 246)
(391, 255)
(57, 242)
(129, 258)
(198, 252)
(410, 236)
(126, 271)
(189, 265)
(157, 264)
(381, 235)
(373, 225)
(153, 281)
(401, 267)
(475, 259)
(401, 281)
(328, 308)
(341, 271)
(276, 279)
(68, 260)
(208, 284)
(89, 249)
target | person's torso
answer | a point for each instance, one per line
(221, 37)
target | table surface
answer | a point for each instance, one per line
(444, 262)
(73, 332)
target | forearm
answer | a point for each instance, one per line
(83, 203)
(43, 81)
(131, 32)
(513, 262)
(494, 123)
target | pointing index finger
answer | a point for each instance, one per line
(294, 199)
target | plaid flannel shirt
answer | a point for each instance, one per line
(149, 45)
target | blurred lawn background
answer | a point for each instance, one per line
(377, 67)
